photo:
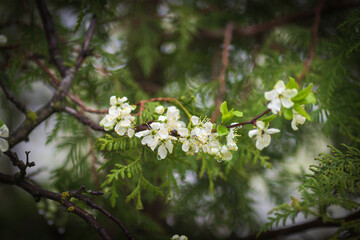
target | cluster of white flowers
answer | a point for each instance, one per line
(119, 116)
(177, 237)
(4, 133)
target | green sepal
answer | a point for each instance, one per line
(222, 130)
(287, 113)
(302, 94)
(292, 84)
(269, 118)
(300, 110)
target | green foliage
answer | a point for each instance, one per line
(335, 181)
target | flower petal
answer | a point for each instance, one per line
(130, 132)
(293, 124)
(286, 102)
(4, 131)
(253, 133)
(260, 125)
(169, 146)
(280, 86)
(275, 105)
(272, 131)
(185, 147)
(263, 141)
(4, 145)
(270, 95)
(162, 151)
(290, 93)
(195, 120)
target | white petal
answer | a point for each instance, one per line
(155, 125)
(113, 100)
(114, 111)
(263, 141)
(159, 110)
(286, 102)
(290, 93)
(162, 151)
(169, 146)
(293, 124)
(123, 99)
(275, 105)
(162, 118)
(146, 140)
(142, 133)
(184, 132)
(120, 130)
(260, 125)
(4, 131)
(270, 95)
(253, 133)
(272, 131)
(153, 143)
(195, 120)
(185, 147)
(130, 132)
(4, 145)
(280, 86)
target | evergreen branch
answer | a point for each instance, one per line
(39, 193)
(271, 24)
(82, 118)
(13, 99)
(317, 223)
(51, 38)
(225, 61)
(314, 37)
(79, 194)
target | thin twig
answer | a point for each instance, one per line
(79, 194)
(82, 118)
(252, 121)
(314, 39)
(13, 99)
(51, 38)
(39, 193)
(222, 76)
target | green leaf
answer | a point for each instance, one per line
(292, 84)
(269, 118)
(222, 130)
(302, 94)
(287, 113)
(238, 113)
(302, 111)
(223, 108)
(308, 99)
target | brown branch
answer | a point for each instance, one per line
(82, 118)
(79, 194)
(314, 37)
(13, 99)
(276, 234)
(39, 193)
(252, 121)
(222, 75)
(142, 103)
(269, 25)
(51, 38)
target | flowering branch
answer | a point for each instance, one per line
(222, 75)
(252, 121)
(314, 30)
(82, 118)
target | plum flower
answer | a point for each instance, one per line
(159, 110)
(262, 135)
(297, 119)
(4, 133)
(280, 96)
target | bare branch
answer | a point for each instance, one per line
(222, 76)
(39, 193)
(82, 118)
(51, 38)
(13, 99)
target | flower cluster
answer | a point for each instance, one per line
(119, 116)
(4, 133)
(177, 237)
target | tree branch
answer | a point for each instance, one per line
(252, 121)
(314, 37)
(337, 222)
(222, 75)
(13, 99)
(83, 119)
(39, 193)
(51, 38)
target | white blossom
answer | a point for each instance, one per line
(297, 119)
(159, 110)
(4, 133)
(3, 39)
(280, 96)
(231, 144)
(262, 135)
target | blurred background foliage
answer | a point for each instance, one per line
(172, 48)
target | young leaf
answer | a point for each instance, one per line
(238, 113)
(269, 118)
(302, 94)
(222, 130)
(308, 99)
(292, 84)
(287, 113)
(223, 108)
(302, 111)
